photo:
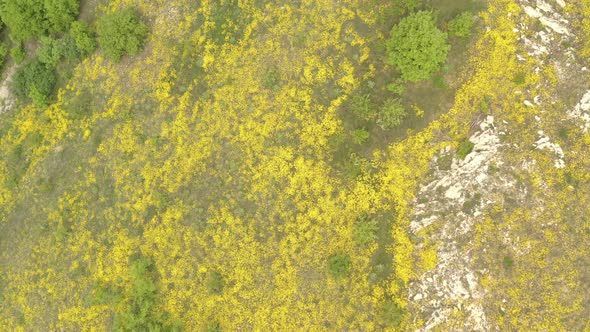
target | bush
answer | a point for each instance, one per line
(18, 54)
(461, 25)
(391, 114)
(362, 106)
(215, 283)
(339, 266)
(34, 80)
(271, 78)
(34, 18)
(83, 36)
(365, 230)
(396, 87)
(465, 148)
(121, 33)
(416, 47)
(360, 135)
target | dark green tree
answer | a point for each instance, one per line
(34, 80)
(416, 47)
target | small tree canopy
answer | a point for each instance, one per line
(83, 36)
(121, 33)
(416, 47)
(34, 80)
(34, 18)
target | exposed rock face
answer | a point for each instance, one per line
(455, 199)
(544, 143)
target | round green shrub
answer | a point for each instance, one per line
(416, 47)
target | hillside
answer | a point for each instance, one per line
(309, 165)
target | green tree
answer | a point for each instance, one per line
(416, 47)
(61, 13)
(83, 36)
(50, 51)
(121, 33)
(34, 18)
(34, 80)
(25, 18)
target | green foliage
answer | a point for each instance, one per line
(362, 106)
(462, 25)
(50, 52)
(391, 114)
(339, 266)
(215, 283)
(34, 18)
(416, 47)
(121, 33)
(3, 53)
(18, 54)
(69, 49)
(365, 230)
(38, 97)
(61, 13)
(83, 36)
(25, 18)
(465, 148)
(392, 314)
(35, 80)
(360, 135)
